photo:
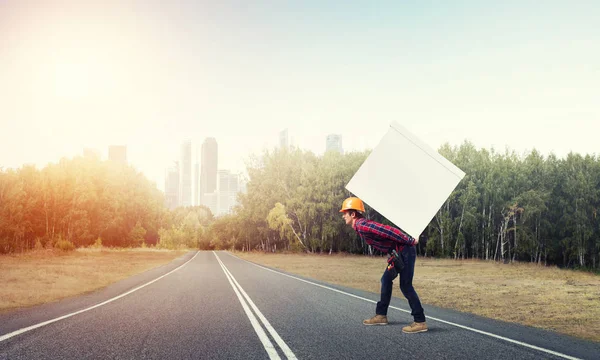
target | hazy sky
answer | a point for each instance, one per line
(150, 74)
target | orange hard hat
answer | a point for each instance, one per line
(353, 203)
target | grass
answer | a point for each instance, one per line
(564, 301)
(44, 276)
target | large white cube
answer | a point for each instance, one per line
(405, 180)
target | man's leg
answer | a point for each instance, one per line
(386, 295)
(406, 277)
(387, 284)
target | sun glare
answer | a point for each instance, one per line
(77, 70)
(74, 80)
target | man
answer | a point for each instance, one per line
(388, 239)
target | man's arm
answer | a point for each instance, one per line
(378, 242)
(390, 233)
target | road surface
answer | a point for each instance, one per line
(213, 305)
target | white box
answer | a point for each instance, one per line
(405, 180)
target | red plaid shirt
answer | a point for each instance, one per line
(382, 237)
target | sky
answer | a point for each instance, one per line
(152, 74)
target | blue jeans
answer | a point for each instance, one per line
(409, 254)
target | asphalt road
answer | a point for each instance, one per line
(213, 305)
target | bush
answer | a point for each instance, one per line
(4, 245)
(38, 244)
(98, 243)
(64, 245)
(175, 239)
(297, 247)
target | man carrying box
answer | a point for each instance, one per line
(402, 256)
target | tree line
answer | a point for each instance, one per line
(507, 208)
(87, 202)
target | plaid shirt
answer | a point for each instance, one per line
(382, 237)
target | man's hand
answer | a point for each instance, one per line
(416, 241)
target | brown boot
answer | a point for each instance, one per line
(376, 320)
(415, 327)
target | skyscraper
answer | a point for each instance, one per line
(234, 189)
(90, 153)
(227, 189)
(211, 201)
(284, 140)
(185, 174)
(196, 184)
(208, 168)
(172, 187)
(334, 143)
(118, 153)
(223, 191)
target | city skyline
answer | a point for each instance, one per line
(213, 187)
(283, 137)
(161, 181)
(514, 75)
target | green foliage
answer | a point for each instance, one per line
(173, 238)
(278, 220)
(224, 234)
(64, 245)
(136, 235)
(78, 200)
(520, 208)
(508, 207)
(186, 228)
(293, 201)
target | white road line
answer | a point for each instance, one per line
(264, 339)
(286, 350)
(548, 351)
(23, 330)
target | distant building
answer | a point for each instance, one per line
(334, 143)
(185, 174)
(118, 153)
(211, 201)
(241, 184)
(208, 168)
(90, 153)
(284, 140)
(196, 183)
(227, 190)
(172, 187)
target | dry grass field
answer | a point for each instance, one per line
(565, 301)
(44, 276)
